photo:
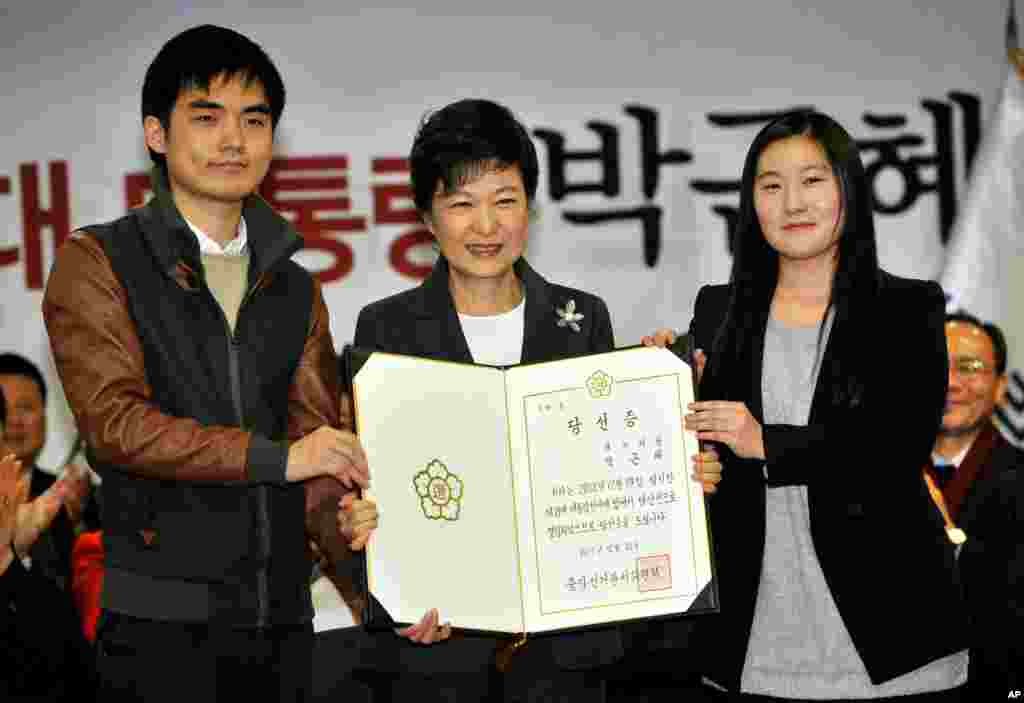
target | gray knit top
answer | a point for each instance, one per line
(799, 646)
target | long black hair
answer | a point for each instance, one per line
(755, 269)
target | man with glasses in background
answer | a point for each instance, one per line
(977, 479)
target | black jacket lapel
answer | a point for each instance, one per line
(756, 362)
(437, 327)
(823, 388)
(539, 338)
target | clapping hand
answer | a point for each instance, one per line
(35, 516)
(77, 487)
(22, 520)
(12, 493)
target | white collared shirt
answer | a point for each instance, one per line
(955, 461)
(207, 245)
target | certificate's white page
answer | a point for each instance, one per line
(435, 435)
(330, 611)
(611, 525)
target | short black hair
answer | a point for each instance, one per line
(464, 140)
(3, 412)
(193, 58)
(991, 329)
(16, 365)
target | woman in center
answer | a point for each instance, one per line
(474, 177)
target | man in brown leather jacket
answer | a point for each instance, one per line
(198, 362)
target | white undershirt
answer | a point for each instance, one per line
(955, 461)
(496, 340)
(208, 245)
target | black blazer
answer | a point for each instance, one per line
(43, 655)
(878, 537)
(992, 562)
(423, 322)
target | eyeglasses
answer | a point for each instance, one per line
(969, 366)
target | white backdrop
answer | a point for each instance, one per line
(360, 79)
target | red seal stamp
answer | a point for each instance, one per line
(654, 573)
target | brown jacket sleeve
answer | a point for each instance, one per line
(100, 362)
(314, 401)
(314, 394)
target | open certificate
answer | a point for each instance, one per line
(535, 498)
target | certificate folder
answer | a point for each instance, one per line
(534, 498)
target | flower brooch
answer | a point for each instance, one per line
(568, 317)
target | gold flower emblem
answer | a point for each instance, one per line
(599, 385)
(439, 491)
